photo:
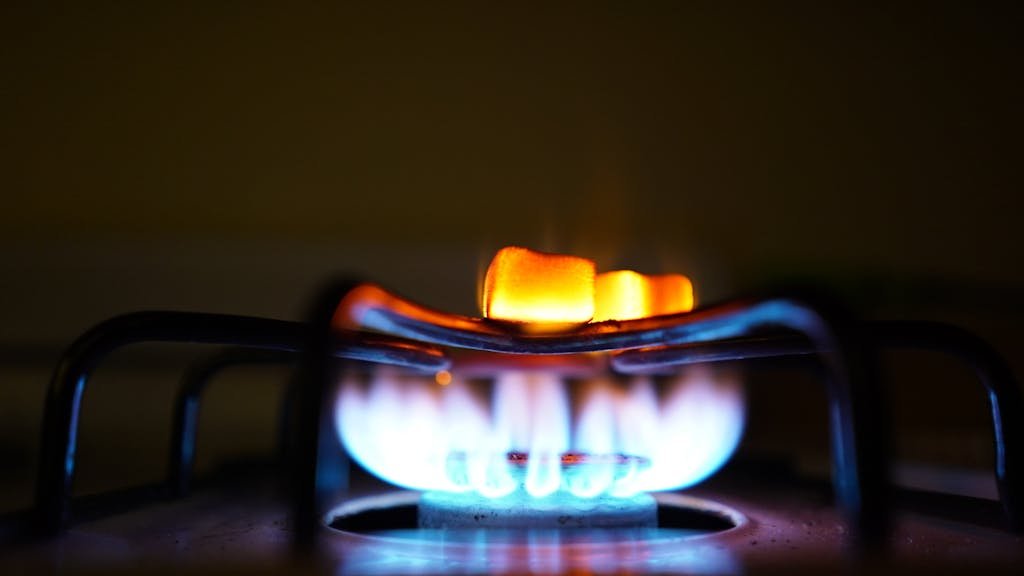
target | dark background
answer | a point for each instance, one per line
(225, 156)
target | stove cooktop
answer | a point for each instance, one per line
(236, 522)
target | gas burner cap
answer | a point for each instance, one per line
(570, 460)
(575, 459)
(581, 473)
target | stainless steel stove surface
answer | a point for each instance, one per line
(782, 523)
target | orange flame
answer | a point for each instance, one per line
(532, 287)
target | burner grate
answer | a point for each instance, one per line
(791, 326)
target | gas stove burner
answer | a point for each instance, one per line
(377, 533)
(399, 515)
(397, 352)
(571, 464)
(571, 460)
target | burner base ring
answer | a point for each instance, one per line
(395, 515)
(447, 510)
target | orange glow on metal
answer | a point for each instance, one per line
(627, 295)
(539, 289)
(523, 285)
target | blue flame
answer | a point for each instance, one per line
(416, 434)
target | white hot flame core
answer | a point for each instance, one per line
(416, 434)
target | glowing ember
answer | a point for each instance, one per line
(527, 286)
(625, 295)
(443, 377)
(531, 287)
(617, 441)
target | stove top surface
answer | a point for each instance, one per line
(244, 525)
